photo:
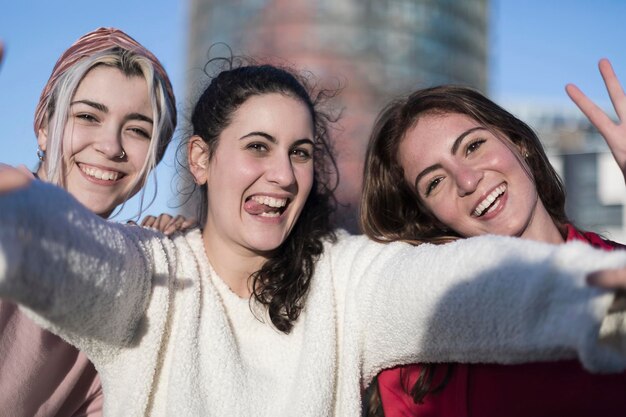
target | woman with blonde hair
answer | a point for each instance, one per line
(104, 119)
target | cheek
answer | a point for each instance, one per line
(305, 175)
(74, 139)
(137, 152)
(444, 210)
(230, 177)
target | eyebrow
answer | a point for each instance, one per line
(98, 106)
(101, 107)
(273, 139)
(262, 134)
(453, 150)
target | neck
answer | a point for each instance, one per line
(232, 263)
(41, 173)
(542, 228)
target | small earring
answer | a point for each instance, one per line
(41, 154)
(122, 155)
(526, 154)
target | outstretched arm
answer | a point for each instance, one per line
(486, 299)
(613, 132)
(87, 279)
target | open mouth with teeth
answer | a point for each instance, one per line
(266, 206)
(489, 202)
(100, 174)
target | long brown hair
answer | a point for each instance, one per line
(391, 209)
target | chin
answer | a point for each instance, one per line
(267, 244)
(101, 209)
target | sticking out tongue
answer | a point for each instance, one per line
(252, 207)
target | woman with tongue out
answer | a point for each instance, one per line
(104, 119)
(454, 164)
(267, 310)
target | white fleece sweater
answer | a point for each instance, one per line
(148, 313)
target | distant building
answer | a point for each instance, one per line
(595, 186)
(376, 49)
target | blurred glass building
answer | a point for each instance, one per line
(373, 49)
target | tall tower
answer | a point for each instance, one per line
(375, 49)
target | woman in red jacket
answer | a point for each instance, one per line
(446, 163)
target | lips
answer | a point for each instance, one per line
(482, 207)
(265, 206)
(99, 173)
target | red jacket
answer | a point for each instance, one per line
(548, 389)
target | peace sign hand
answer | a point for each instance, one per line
(614, 133)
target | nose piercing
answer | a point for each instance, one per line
(122, 155)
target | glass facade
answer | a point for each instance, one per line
(375, 49)
(594, 183)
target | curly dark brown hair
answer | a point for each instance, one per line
(283, 281)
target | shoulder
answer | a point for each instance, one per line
(591, 238)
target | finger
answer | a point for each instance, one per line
(25, 170)
(134, 223)
(613, 86)
(175, 225)
(1, 51)
(189, 223)
(594, 113)
(12, 179)
(609, 278)
(148, 221)
(160, 223)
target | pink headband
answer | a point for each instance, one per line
(93, 42)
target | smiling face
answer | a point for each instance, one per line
(260, 175)
(110, 113)
(472, 181)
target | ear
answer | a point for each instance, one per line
(523, 151)
(198, 158)
(42, 138)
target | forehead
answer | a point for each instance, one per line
(274, 112)
(111, 87)
(111, 80)
(439, 127)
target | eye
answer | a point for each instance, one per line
(257, 147)
(86, 117)
(301, 154)
(474, 145)
(139, 132)
(432, 184)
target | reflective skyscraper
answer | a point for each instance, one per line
(372, 49)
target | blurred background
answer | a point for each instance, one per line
(521, 54)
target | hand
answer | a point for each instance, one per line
(168, 224)
(613, 133)
(12, 179)
(611, 279)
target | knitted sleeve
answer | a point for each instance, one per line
(486, 299)
(86, 279)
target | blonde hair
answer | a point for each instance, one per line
(113, 48)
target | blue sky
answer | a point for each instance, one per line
(536, 47)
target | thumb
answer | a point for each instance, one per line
(608, 278)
